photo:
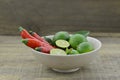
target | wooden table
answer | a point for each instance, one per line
(18, 63)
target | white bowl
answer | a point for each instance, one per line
(69, 63)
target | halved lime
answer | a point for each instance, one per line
(62, 43)
(57, 52)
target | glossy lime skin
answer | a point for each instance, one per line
(61, 35)
(85, 47)
(76, 39)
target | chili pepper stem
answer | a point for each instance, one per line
(25, 41)
(38, 49)
(20, 28)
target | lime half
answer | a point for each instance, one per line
(62, 43)
(57, 52)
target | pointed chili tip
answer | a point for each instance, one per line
(38, 49)
(20, 28)
(24, 41)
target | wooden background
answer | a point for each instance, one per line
(49, 16)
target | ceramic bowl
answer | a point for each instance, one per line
(69, 63)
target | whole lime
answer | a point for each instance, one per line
(85, 47)
(61, 35)
(76, 39)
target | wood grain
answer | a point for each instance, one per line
(18, 63)
(46, 16)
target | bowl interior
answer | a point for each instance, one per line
(69, 62)
(96, 44)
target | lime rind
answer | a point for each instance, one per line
(76, 39)
(61, 35)
(85, 47)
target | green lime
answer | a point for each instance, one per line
(73, 51)
(85, 47)
(57, 51)
(62, 43)
(76, 39)
(61, 35)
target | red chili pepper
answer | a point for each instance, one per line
(24, 33)
(33, 43)
(34, 34)
(43, 49)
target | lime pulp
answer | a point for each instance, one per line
(62, 43)
(57, 52)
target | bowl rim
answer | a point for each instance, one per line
(99, 42)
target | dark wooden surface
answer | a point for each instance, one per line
(18, 63)
(50, 16)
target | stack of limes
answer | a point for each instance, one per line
(67, 44)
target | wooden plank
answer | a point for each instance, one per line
(9, 77)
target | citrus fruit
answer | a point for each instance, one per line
(62, 43)
(57, 51)
(76, 39)
(61, 35)
(85, 47)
